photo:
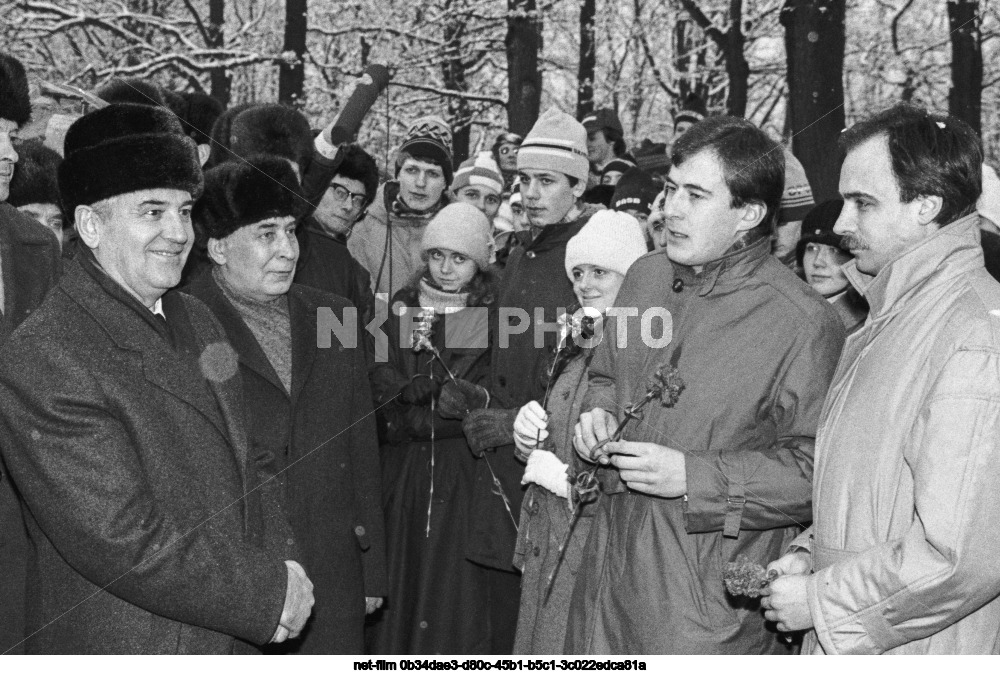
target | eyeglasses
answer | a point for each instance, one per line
(341, 193)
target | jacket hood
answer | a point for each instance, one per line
(956, 243)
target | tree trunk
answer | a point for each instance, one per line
(221, 81)
(454, 80)
(291, 76)
(965, 95)
(524, 79)
(588, 60)
(737, 67)
(814, 48)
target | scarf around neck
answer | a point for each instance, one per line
(442, 301)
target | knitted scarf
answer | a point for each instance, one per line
(442, 301)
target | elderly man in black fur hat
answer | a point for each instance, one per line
(300, 406)
(122, 424)
(34, 190)
(29, 266)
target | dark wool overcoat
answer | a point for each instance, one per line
(147, 533)
(327, 462)
(29, 259)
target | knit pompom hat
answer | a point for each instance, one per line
(15, 104)
(481, 171)
(239, 193)
(797, 198)
(462, 228)
(557, 142)
(610, 240)
(125, 148)
(34, 180)
(428, 137)
(272, 129)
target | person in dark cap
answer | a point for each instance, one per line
(821, 256)
(132, 90)
(197, 113)
(122, 425)
(221, 135)
(320, 432)
(635, 194)
(653, 159)
(34, 189)
(605, 137)
(29, 266)
(614, 170)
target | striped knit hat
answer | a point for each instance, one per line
(481, 171)
(557, 142)
(797, 198)
(428, 137)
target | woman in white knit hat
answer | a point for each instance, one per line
(437, 599)
(597, 259)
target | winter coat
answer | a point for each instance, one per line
(535, 276)
(148, 535)
(388, 245)
(756, 348)
(322, 436)
(438, 601)
(852, 309)
(545, 520)
(30, 264)
(907, 482)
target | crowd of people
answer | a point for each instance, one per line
(257, 396)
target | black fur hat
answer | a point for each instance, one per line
(15, 104)
(272, 129)
(132, 90)
(34, 180)
(126, 148)
(239, 193)
(222, 134)
(201, 112)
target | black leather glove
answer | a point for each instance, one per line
(459, 397)
(486, 429)
(420, 391)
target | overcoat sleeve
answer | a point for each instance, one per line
(947, 564)
(769, 486)
(80, 476)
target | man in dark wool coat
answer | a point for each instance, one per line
(121, 422)
(307, 404)
(29, 267)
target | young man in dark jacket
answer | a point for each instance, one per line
(552, 163)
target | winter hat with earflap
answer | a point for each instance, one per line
(125, 148)
(610, 240)
(238, 194)
(481, 171)
(462, 228)
(797, 198)
(15, 104)
(557, 142)
(428, 137)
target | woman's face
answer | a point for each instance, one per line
(451, 271)
(821, 264)
(595, 286)
(507, 157)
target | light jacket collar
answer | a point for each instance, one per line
(951, 251)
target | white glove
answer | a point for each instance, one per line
(548, 472)
(529, 427)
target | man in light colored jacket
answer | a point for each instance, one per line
(903, 555)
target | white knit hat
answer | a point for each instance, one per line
(610, 240)
(462, 228)
(556, 142)
(481, 171)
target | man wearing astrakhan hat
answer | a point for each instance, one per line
(122, 425)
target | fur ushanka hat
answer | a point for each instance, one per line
(15, 104)
(34, 180)
(240, 193)
(271, 129)
(126, 148)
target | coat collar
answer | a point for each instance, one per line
(162, 365)
(731, 269)
(24, 246)
(302, 317)
(951, 251)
